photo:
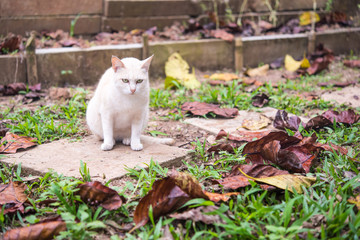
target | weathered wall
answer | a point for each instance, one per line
(22, 16)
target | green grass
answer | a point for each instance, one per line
(321, 212)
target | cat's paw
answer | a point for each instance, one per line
(106, 146)
(126, 141)
(136, 146)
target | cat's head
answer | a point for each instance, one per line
(131, 74)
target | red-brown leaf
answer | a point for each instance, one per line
(201, 109)
(282, 121)
(13, 88)
(347, 117)
(217, 197)
(43, 231)
(242, 136)
(96, 193)
(12, 142)
(352, 63)
(167, 195)
(12, 196)
(260, 100)
(199, 215)
(222, 34)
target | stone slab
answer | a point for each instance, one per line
(64, 157)
(13, 8)
(231, 125)
(349, 96)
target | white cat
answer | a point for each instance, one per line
(119, 109)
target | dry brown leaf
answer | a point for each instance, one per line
(95, 193)
(355, 201)
(43, 231)
(252, 124)
(12, 196)
(12, 142)
(217, 197)
(201, 109)
(260, 71)
(224, 76)
(199, 215)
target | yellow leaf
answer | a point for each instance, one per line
(252, 124)
(286, 181)
(306, 18)
(260, 71)
(177, 68)
(355, 201)
(292, 65)
(224, 76)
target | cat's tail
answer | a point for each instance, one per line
(155, 140)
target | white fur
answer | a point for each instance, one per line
(119, 110)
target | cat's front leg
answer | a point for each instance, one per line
(108, 131)
(136, 128)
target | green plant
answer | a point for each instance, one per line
(73, 23)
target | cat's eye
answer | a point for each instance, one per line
(125, 80)
(139, 81)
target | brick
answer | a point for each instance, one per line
(14, 8)
(84, 25)
(13, 69)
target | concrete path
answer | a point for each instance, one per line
(64, 157)
(349, 96)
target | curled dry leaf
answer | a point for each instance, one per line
(43, 231)
(201, 109)
(167, 195)
(260, 100)
(95, 193)
(199, 214)
(242, 136)
(282, 121)
(13, 88)
(256, 124)
(287, 181)
(12, 196)
(260, 71)
(12, 142)
(217, 197)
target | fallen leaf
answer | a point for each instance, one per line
(307, 17)
(237, 180)
(287, 181)
(176, 68)
(13, 88)
(355, 201)
(11, 143)
(282, 121)
(242, 136)
(292, 65)
(260, 100)
(253, 124)
(95, 193)
(260, 71)
(336, 84)
(226, 147)
(222, 34)
(201, 109)
(277, 63)
(224, 76)
(12, 196)
(167, 195)
(199, 214)
(43, 231)
(10, 44)
(217, 197)
(347, 117)
(355, 63)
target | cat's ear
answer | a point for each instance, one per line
(116, 63)
(146, 63)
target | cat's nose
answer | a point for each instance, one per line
(132, 90)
